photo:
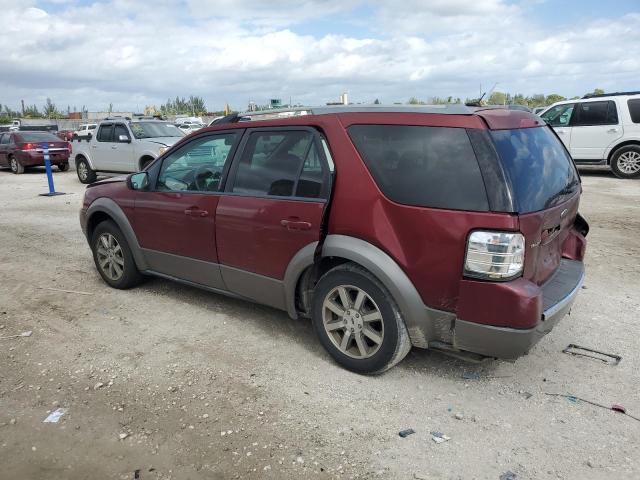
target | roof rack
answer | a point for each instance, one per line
(613, 94)
(117, 117)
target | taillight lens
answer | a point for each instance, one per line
(494, 255)
(29, 146)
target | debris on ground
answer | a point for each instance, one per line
(54, 416)
(122, 436)
(98, 385)
(508, 475)
(608, 358)
(471, 376)
(23, 334)
(459, 416)
(615, 407)
(439, 437)
(407, 432)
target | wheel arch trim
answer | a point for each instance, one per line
(419, 319)
(113, 210)
(618, 146)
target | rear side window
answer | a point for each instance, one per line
(104, 133)
(541, 172)
(4, 139)
(281, 164)
(596, 113)
(423, 166)
(634, 109)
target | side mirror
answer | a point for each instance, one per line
(89, 135)
(124, 139)
(138, 181)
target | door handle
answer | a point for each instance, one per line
(612, 130)
(295, 224)
(195, 212)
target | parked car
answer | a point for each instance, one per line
(66, 135)
(600, 130)
(449, 228)
(123, 145)
(85, 130)
(190, 127)
(19, 150)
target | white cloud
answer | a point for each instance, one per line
(133, 53)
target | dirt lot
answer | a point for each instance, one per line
(202, 386)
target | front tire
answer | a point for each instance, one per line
(63, 167)
(16, 166)
(84, 171)
(357, 320)
(625, 163)
(113, 257)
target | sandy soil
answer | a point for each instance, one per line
(202, 386)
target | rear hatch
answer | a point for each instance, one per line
(545, 189)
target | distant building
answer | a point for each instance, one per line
(275, 103)
(344, 100)
(252, 107)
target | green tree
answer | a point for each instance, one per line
(598, 91)
(497, 98)
(553, 98)
(50, 110)
(31, 111)
(376, 102)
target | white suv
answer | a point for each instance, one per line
(85, 130)
(600, 130)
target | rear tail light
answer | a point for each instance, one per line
(494, 255)
(26, 147)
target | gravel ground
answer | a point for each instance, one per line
(169, 382)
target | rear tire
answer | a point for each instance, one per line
(376, 336)
(113, 257)
(84, 171)
(16, 166)
(625, 162)
(63, 167)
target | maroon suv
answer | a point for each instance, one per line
(450, 228)
(19, 150)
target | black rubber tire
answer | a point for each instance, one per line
(16, 166)
(396, 343)
(131, 275)
(91, 175)
(614, 162)
(145, 162)
(63, 167)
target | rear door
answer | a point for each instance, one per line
(559, 117)
(595, 125)
(272, 207)
(121, 157)
(175, 220)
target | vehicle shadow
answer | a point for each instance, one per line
(276, 323)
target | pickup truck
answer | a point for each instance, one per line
(122, 145)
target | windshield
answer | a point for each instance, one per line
(155, 130)
(39, 137)
(541, 172)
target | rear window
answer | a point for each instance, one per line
(422, 166)
(38, 137)
(634, 109)
(540, 170)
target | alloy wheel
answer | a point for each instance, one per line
(14, 164)
(629, 162)
(352, 321)
(110, 257)
(82, 171)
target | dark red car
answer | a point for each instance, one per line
(19, 150)
(449, 228)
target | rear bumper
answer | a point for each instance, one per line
(558, 295)
(36, 159)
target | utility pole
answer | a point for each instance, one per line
(22, 101)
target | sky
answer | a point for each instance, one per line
(136, 53)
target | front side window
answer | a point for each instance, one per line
(559, 116)
(4, 139)
(198, 166)
(422, 166)
(281, 164)
(596, 113)
(120, 130)
(105, 133)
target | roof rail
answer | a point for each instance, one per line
(613, 94)
(117, 117)
(232, 118)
